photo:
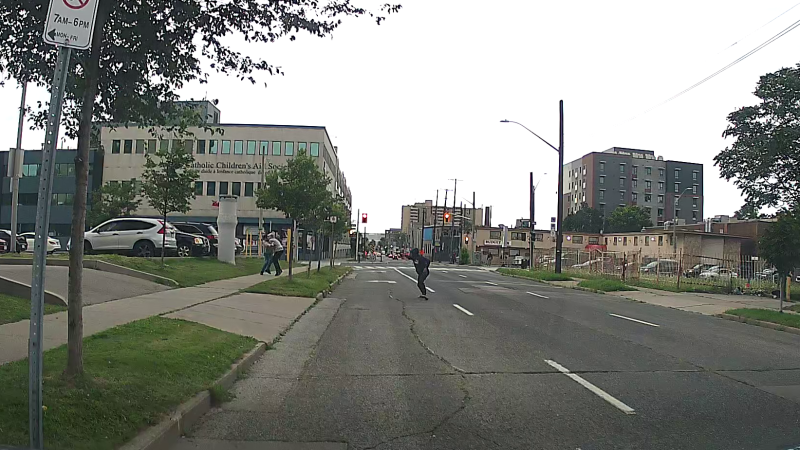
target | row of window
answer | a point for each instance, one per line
(647, 170)
(646, 240)
(226, 188)
(213, 146)
(61, 170)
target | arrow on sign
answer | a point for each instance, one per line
(52, 34)
(382, 281)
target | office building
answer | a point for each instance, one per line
(624, 176)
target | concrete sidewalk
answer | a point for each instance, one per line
(99, 317)
(709, 304)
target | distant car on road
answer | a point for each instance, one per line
(661, 266)
(696, 270)
(137, 236)
(53, 245)
(22, 244)
(716, 272)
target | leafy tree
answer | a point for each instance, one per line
(764, 160)
(747, 211)
(779, 245)
(463, 258)
(299, 189)
(586, 220)
(113, 200)
(168, 183)
(628, 218)
(141, 55)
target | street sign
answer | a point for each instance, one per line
(70, 23)
(333, 219)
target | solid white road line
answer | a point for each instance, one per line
(596, 390)
(463, 276)
(463, 310)
(489, 282)
(382, 281)
(537, 295)
(415, 281)
(634, 320)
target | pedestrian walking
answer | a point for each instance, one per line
(421, 265)
(268, 252)
(277, 252)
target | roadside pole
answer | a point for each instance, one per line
(13, 171)
(532, 234)
(261, 210)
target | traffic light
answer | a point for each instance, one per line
(466, 239)
(447, 217)
(364, 218)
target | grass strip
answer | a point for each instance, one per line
(302, 284)
(134, 375)
(14, 309)
(539, 275)
(606, 285)
(767, 315)
(188, 271)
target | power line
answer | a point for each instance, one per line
(760, 28)
(736, 61)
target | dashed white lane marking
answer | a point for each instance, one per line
(444, 271)
(489, 282)
(463, 310)
(463, 276)
(537, 295)
(634, 320)
(401, 273)
(382, 281)
(594, 389)
(357, 267)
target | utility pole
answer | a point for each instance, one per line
(433, 238)
(13, 171)
(559, 231)
(532, 236)
(261, 210)
(422, 232)
(358, 232)
(445, 211)
(472, 249)
(452, 219)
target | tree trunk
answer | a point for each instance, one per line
(290, 244)
(319, 241)
(164, 236)
(75, 280)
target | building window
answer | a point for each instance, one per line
(648, 198)
(276, 148)
(634, 197)
(648, 210)
(177, 144)
(288, 148)
(660, 186)
(635, 170)
(677, 173)
(622, 168)
(223, 188)
(65, 170)
(577, 239)
(238, 147)
(694, 203)
(615, 240)
(622, 182)
(622, 195)
(237, 188)
(635, 182)
(188, 145)
(251, 147)
(302, 147)
(115, 146)
(140, 144)
(201, 147)
(660, 199)
(494, 234)
(677, 187)
(211, 188)
(661, 241)
(694, 215)
(594, 240)
(128, 146)
(602, 206)
(315, 149)
(660, 173)
(198, 188)
(539, 237)
(151, 145)
(602, 180)
(30, 170)
(606, 241)
(226, 150)
(625, 241)
(694, 189)
(263, 148)
(212, 147)
(62, 199)
(694, 175)
(677, 214)
(163, 145)
(517, 236)
(660, 212)
(636, 240)
(248, 189)
(648, 170)
(648, 184)
(601, 195)
(602, 166)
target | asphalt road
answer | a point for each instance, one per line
(98, 287)
(496, 362)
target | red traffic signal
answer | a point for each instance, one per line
(447, 217)
(364, 218)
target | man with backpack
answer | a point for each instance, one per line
(421, 265)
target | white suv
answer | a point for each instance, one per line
(132, 235)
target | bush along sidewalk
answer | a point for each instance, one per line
(605, 285)
(134, 375)
(538, 275)
(302, 284)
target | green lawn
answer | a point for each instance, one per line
(673, 287)
(540, 275)
(301, 285)
(135, 374)
(767, 315)
(607, 285)
(188, 271)
(14, 309)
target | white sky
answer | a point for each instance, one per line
(418, 100)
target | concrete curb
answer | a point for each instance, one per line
(760, 323)
(328, 291)
(20, 289)
(101, 266)
(169, 430)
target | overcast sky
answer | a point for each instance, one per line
(417, 101)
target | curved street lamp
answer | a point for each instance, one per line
(560, 151)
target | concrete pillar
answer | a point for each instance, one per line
(227, 220)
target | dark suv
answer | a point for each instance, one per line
(22, 243)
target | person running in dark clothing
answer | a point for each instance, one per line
(421, 265)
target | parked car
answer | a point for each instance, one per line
(695, 271)
(661, 266)
(191, 244)
(136, 236)
(22, 244)
(210, 233)
(53, 245)
(3, 248)
(590, 263)
(718, 272)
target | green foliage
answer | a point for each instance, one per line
(299, 189)
(628, 218)
(780, 243)
(605, 285)
(188, 271)
(586, 220)
(113, 200)
(764, 160)
(747, 211)
(767, 315)
(14, 309)
(539, 275)
(309, 286)
(168, 180)
(463, 258)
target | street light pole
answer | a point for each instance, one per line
(560, 150)
(675, 221)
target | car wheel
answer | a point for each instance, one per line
(87, 248)
(144, 249)
(184, 251)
